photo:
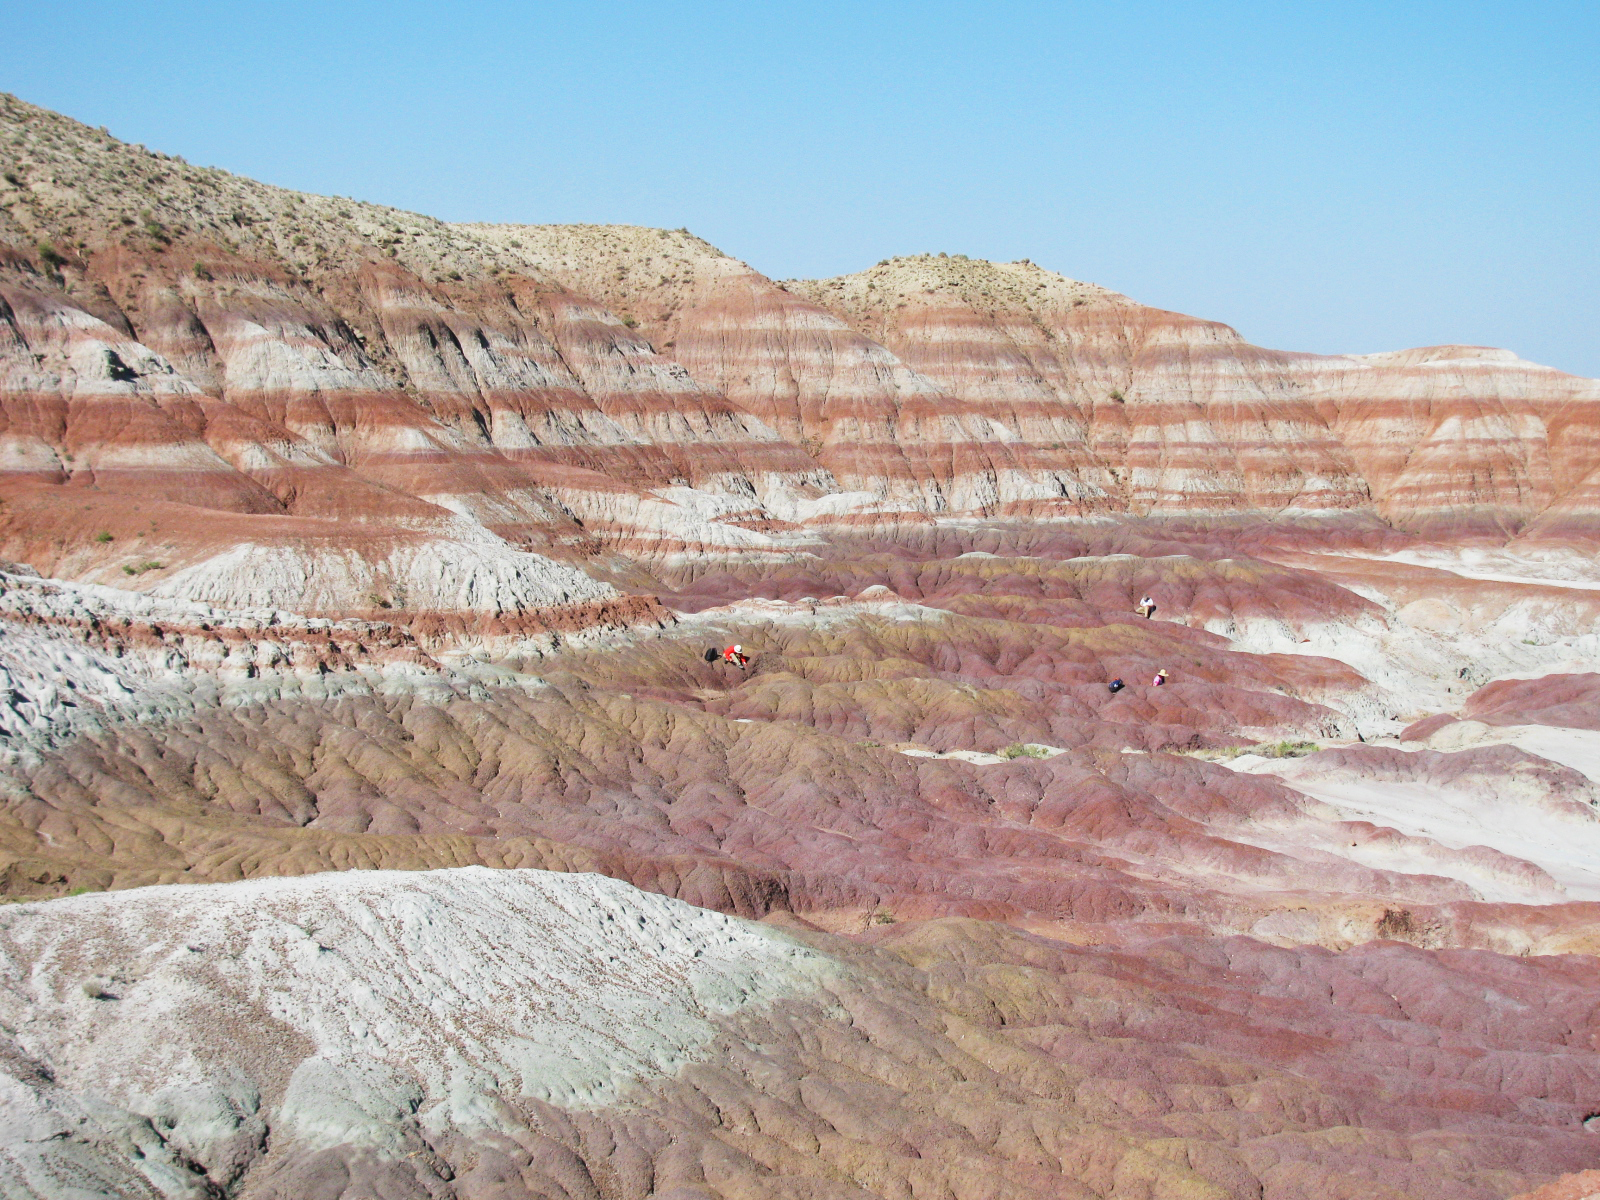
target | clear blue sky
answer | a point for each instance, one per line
(1324, 176)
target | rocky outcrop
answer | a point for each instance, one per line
(890, 438)
(1152, 410)
(1467, 440)
(76, 658)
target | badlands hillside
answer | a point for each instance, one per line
(361, 568)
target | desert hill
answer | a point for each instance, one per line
(1165, 767)
(588, 1040)
(253, 365)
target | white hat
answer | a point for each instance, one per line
(738, 649)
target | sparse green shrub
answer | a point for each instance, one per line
(103, 537)
(1287, 749)
(1264, 750)
(1116, 394)
(129, 569)
(49, 257)
(1022, 750)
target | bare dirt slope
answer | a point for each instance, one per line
(519, 1034)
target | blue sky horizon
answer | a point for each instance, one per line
(1336, 178)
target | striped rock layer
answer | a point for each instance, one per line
(229, 393)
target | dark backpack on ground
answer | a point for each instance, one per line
(713, 654)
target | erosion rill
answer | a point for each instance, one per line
(362, 567)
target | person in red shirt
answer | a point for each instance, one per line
(736, 655)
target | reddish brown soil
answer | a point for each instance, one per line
(1572, 701)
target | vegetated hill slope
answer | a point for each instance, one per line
(364, 408)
